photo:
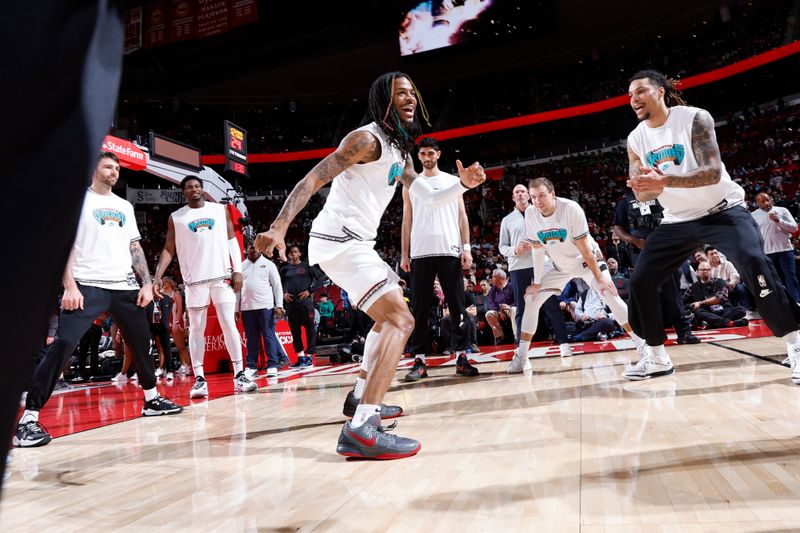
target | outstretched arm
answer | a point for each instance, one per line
(357, 147)
(470, 177)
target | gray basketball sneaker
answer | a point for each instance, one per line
(370, 441)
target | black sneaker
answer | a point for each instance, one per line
(61, 384)
(284, 362)
(387, 411)
(30, 435)
(741, 323)
(160, 406)
(418, 371)
(370, 441)
(688, 339)
(463, 368)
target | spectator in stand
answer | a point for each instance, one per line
(776, 224)
(621, 253)
(261, 304)
(619, 279)
(591, 318)
(177, 322)
(500, 305)
(724, 269)
(300, 281)
(158, 315)
(325, 308)
(471, 325)
(709, 303)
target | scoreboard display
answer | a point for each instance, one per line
(235, 149)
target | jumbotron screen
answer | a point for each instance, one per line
(434, 24)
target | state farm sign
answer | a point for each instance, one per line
(130, 156)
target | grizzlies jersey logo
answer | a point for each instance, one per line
(201, 224)
(552, 236)
(109, 217)
(661, 158)
(394, 173)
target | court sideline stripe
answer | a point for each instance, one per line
(750, 354)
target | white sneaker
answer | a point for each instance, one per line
(185, 369)
(159, 372)
(642, 351)
(272, 372)
(135, 377)
(251, 373)
(518, 364)
(242, 383)
(199, 389)
(170, 376)
(649, 367)
(793, 357)
(120, 378)
(566, 350)
(787, 361)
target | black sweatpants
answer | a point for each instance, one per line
(159, 331)
(89, 348)
(451, 276)
(80, 45)
(734, 233)
(132, 320)
(301, 315)
(719, 319)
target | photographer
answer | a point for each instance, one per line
(708, 301)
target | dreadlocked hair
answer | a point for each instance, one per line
(380, 110)
(672, 96)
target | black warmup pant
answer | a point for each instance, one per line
(80, 45)
(89, 348)
(301, 315)
(550, 312)
(734, 233)
(132, 320)
(159, 331)
(672, 305)
(451, 276)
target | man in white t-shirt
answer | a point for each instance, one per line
(201, 234)
(435, 243)
(261, 304)
(558, 228)
(776, 225)
(673, 156)
(364, 171)
(98, 279)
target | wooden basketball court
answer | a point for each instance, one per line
(571, 447)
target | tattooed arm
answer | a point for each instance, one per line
(706, 152)
(139, 262)
(357, 147)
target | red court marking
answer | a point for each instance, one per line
(101, 404)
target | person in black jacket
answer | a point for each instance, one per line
(158, 314)
(300, 281)
(708, 300)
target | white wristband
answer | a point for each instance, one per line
(466, 247)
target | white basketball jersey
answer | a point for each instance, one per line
(434, 229)
(558, 233)
(360, 194)
(201, 241)
(669, 149)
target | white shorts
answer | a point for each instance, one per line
(356, 267)
(554, 281)
(200, 296)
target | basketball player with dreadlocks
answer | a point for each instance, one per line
(365, 169)
(673, 156)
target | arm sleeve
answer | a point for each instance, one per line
(431, 197)
(236, 254)
(788, 222)
(506, 246)
(538, 265)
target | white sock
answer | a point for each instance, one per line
(29, 416)
(150, 394)
(637, 340)
(369, 347)
(792, 338)
(363, 412)
(198, 371)
(237, 367)
(420, 356)
(524, 348)
(361, 384)
(659, 353)
(300, 354)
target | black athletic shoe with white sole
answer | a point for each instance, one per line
(30, 435)
(160, 406)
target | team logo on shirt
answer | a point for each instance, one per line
(552, 236)
(395, 172)
(201, 224)
(109, 217)
(661, 158)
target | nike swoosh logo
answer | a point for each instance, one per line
(765, 292)
(366, 442)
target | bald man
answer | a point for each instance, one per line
(776, 225)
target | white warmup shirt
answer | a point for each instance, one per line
(201, 241)
(434, 229)
(512, 231)
(776, 235)
(101, 253)
(669, 149)
(359, 196)
(262, 288)
(558, 233)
